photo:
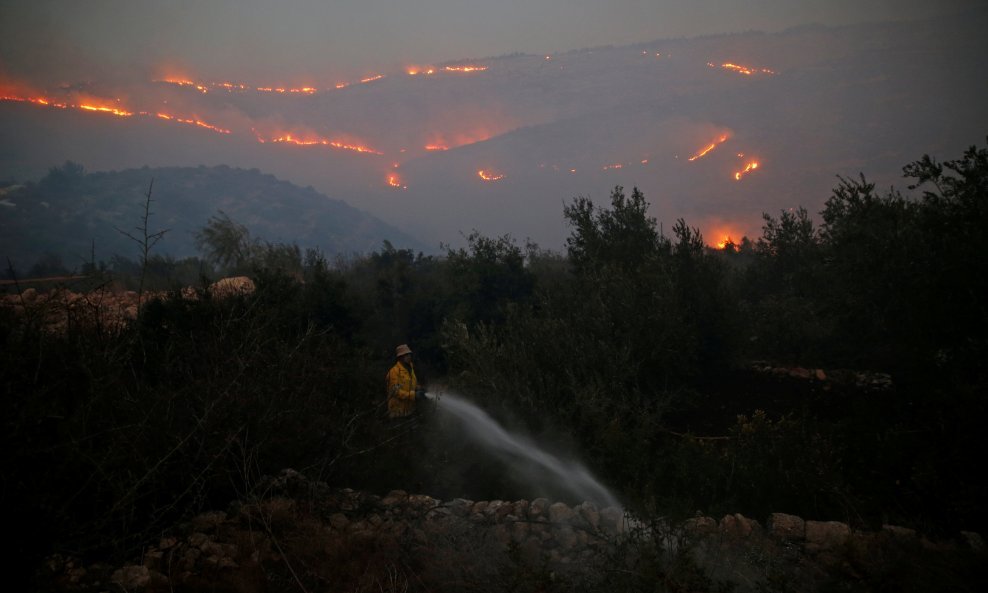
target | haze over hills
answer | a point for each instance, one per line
(715, 130)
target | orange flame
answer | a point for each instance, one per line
(747, 169)
(193, 122)
(436, 147)
(416, 70)
(395, 181)
(102, 108)
(342, 85)
(747, 71)
(465, 68)
(488, 175)
(615, 166)
(703, 151)
(184, 82)
(371, 78)
(314, 140)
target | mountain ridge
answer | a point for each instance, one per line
(70, 213)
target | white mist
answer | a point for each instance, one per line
(571, 476)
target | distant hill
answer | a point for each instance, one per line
(70, 212)
(502, 147)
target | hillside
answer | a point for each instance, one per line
(70, 213)
(407, 146)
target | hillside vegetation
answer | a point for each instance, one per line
(631, 349)
(77, 216)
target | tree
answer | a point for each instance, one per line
(227, 243)
(623, 236)
(487, 276)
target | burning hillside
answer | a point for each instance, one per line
(692, 122)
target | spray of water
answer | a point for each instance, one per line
(572, 476)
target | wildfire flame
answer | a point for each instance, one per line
(436, 147)
(371, 78)
(725, 241)
(416, 70)
(742, 69)
(313, 140)
(395, 181)
(614, 166)
(747, 169)
(488, 175)
(192, 121)
(465, 68)
(703, 151)
(184, 82)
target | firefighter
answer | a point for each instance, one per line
(403, 387)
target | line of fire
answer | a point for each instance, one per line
(307, 138)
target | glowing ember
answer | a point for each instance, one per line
(372, 78)
(703, 151)
(313, 140)
(742, 69)
(184, 82)
(436, 147)
(615, 166)
(104, 109)
(192, 122)
(747, 169)
(395, 181)
(465, 68)
(230, 86)
(342, 85)
(488, 175)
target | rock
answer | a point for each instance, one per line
(537, 510)
(208, 521)
(825, 535)
(588, 512)
(799, 373)
(560, 513)
(566, 538)
(700, 525)
(492, 507)
(167, 543)
(152, 559)
(29, 295)
(198, 540)
(132, 577)
(788, 528)
(612, 520)
(502, 535)
(394, 497)
(738, 526)
(897, 532)
(519, 532)
(338, 521)
(460, 506)
(227, 287)
(974, 541)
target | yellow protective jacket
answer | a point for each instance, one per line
(401, 390)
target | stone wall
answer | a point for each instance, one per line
(237, 545)
(58, 308)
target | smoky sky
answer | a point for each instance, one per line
(300, 41)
